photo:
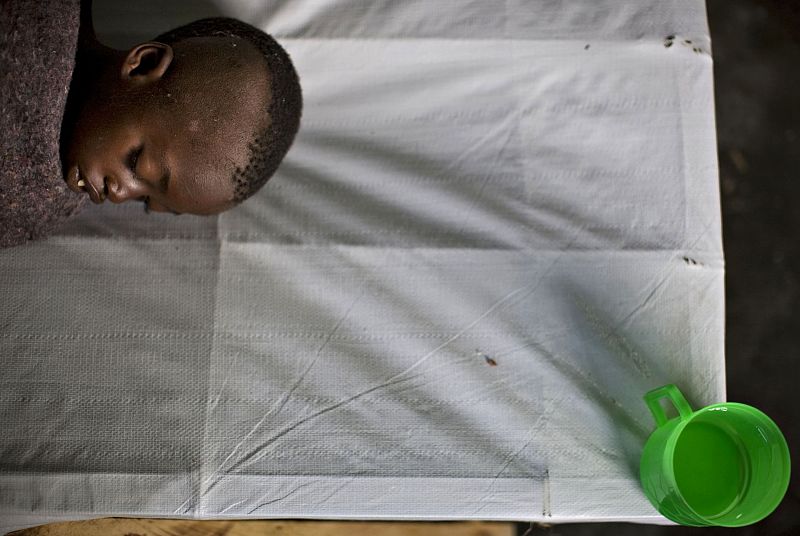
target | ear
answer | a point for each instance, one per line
(147, 62)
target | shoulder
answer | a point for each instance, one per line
(38, 41)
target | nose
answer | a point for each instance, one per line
(121, 188)
(102, 182)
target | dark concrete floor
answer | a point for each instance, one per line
(756, 49)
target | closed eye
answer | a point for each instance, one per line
(133, 158)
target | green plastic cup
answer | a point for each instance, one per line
(725, 464)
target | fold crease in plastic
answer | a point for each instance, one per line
(498, 228)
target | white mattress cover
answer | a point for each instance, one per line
(532, 183)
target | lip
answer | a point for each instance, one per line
(73, 176)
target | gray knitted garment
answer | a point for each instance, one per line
(38, 41)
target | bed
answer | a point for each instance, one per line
(499, 226)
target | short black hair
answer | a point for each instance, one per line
(271, 144)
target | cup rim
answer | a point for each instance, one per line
(724, 406)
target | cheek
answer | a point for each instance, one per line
(97, 135)
(88, 130)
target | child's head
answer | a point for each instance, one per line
(193, 122)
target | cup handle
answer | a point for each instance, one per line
(676, 397)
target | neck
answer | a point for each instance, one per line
(93, 61)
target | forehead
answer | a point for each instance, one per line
(202, 166)
(218, 97)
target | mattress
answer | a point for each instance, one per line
(499, 226)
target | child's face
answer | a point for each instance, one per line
(172, 128)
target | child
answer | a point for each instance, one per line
(194, 121)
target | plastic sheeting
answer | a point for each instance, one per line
(499, 226)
